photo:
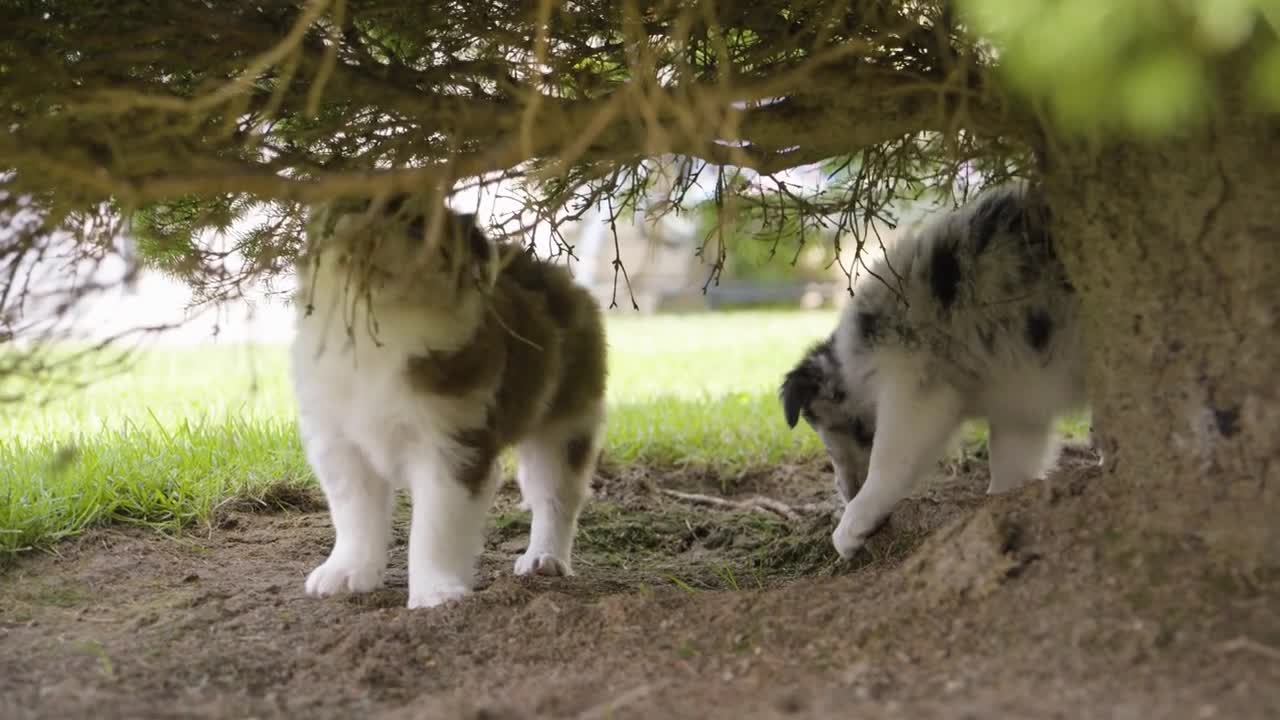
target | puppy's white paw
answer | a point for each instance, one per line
(339, 575)
(995, 488)
(545, 564)
(1003, 485)
(847, 542)
(854, 529)
(437, 595)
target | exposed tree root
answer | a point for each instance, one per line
(756, 503)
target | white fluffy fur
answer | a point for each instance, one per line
(367, 434)
(554, 505)
(909, 362)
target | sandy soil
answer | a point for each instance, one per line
(961, 607)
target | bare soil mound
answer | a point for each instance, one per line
(694, 599)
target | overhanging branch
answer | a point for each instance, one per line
(430, 101)
(699, 122)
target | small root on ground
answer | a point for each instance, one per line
(755, 503)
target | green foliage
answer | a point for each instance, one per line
(1148, 67)
(1264, 81)
(169, 236)
(166, 234)
(758, 251)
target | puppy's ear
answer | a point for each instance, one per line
(478, 243)
(395, 203)
(480, 251)
(799, 388)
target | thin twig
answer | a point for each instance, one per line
(608, 707)
(755, 503)
(1251, 645)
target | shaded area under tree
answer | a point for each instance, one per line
(183, 116)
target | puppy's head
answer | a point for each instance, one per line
(815, 390)
(404, 249)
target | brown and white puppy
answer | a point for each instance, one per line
(423, 349)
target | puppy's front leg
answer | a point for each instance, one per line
(450, 500)
(913, 425)
(360, 509)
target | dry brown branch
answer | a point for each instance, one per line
(836, 101)
(1242, 644)
(193, 116)
(755, 503)
(608, 707)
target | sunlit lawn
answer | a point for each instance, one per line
(185, 429)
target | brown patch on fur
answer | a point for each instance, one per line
(463, 237)
(540, 343)
(577, 450)
(484, 451)
(537, 351)
(461, 232)
(581, 374)
(467, 369)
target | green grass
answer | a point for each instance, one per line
(183, 430)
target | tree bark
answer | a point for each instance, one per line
(1175, 251)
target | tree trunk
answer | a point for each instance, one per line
(1175, 251)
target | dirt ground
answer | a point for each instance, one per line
(961, 607)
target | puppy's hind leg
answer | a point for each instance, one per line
(556, 465)
(913, 426)
(1020, 452)
(521, 480)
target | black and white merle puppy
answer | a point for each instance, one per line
(971, 316)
